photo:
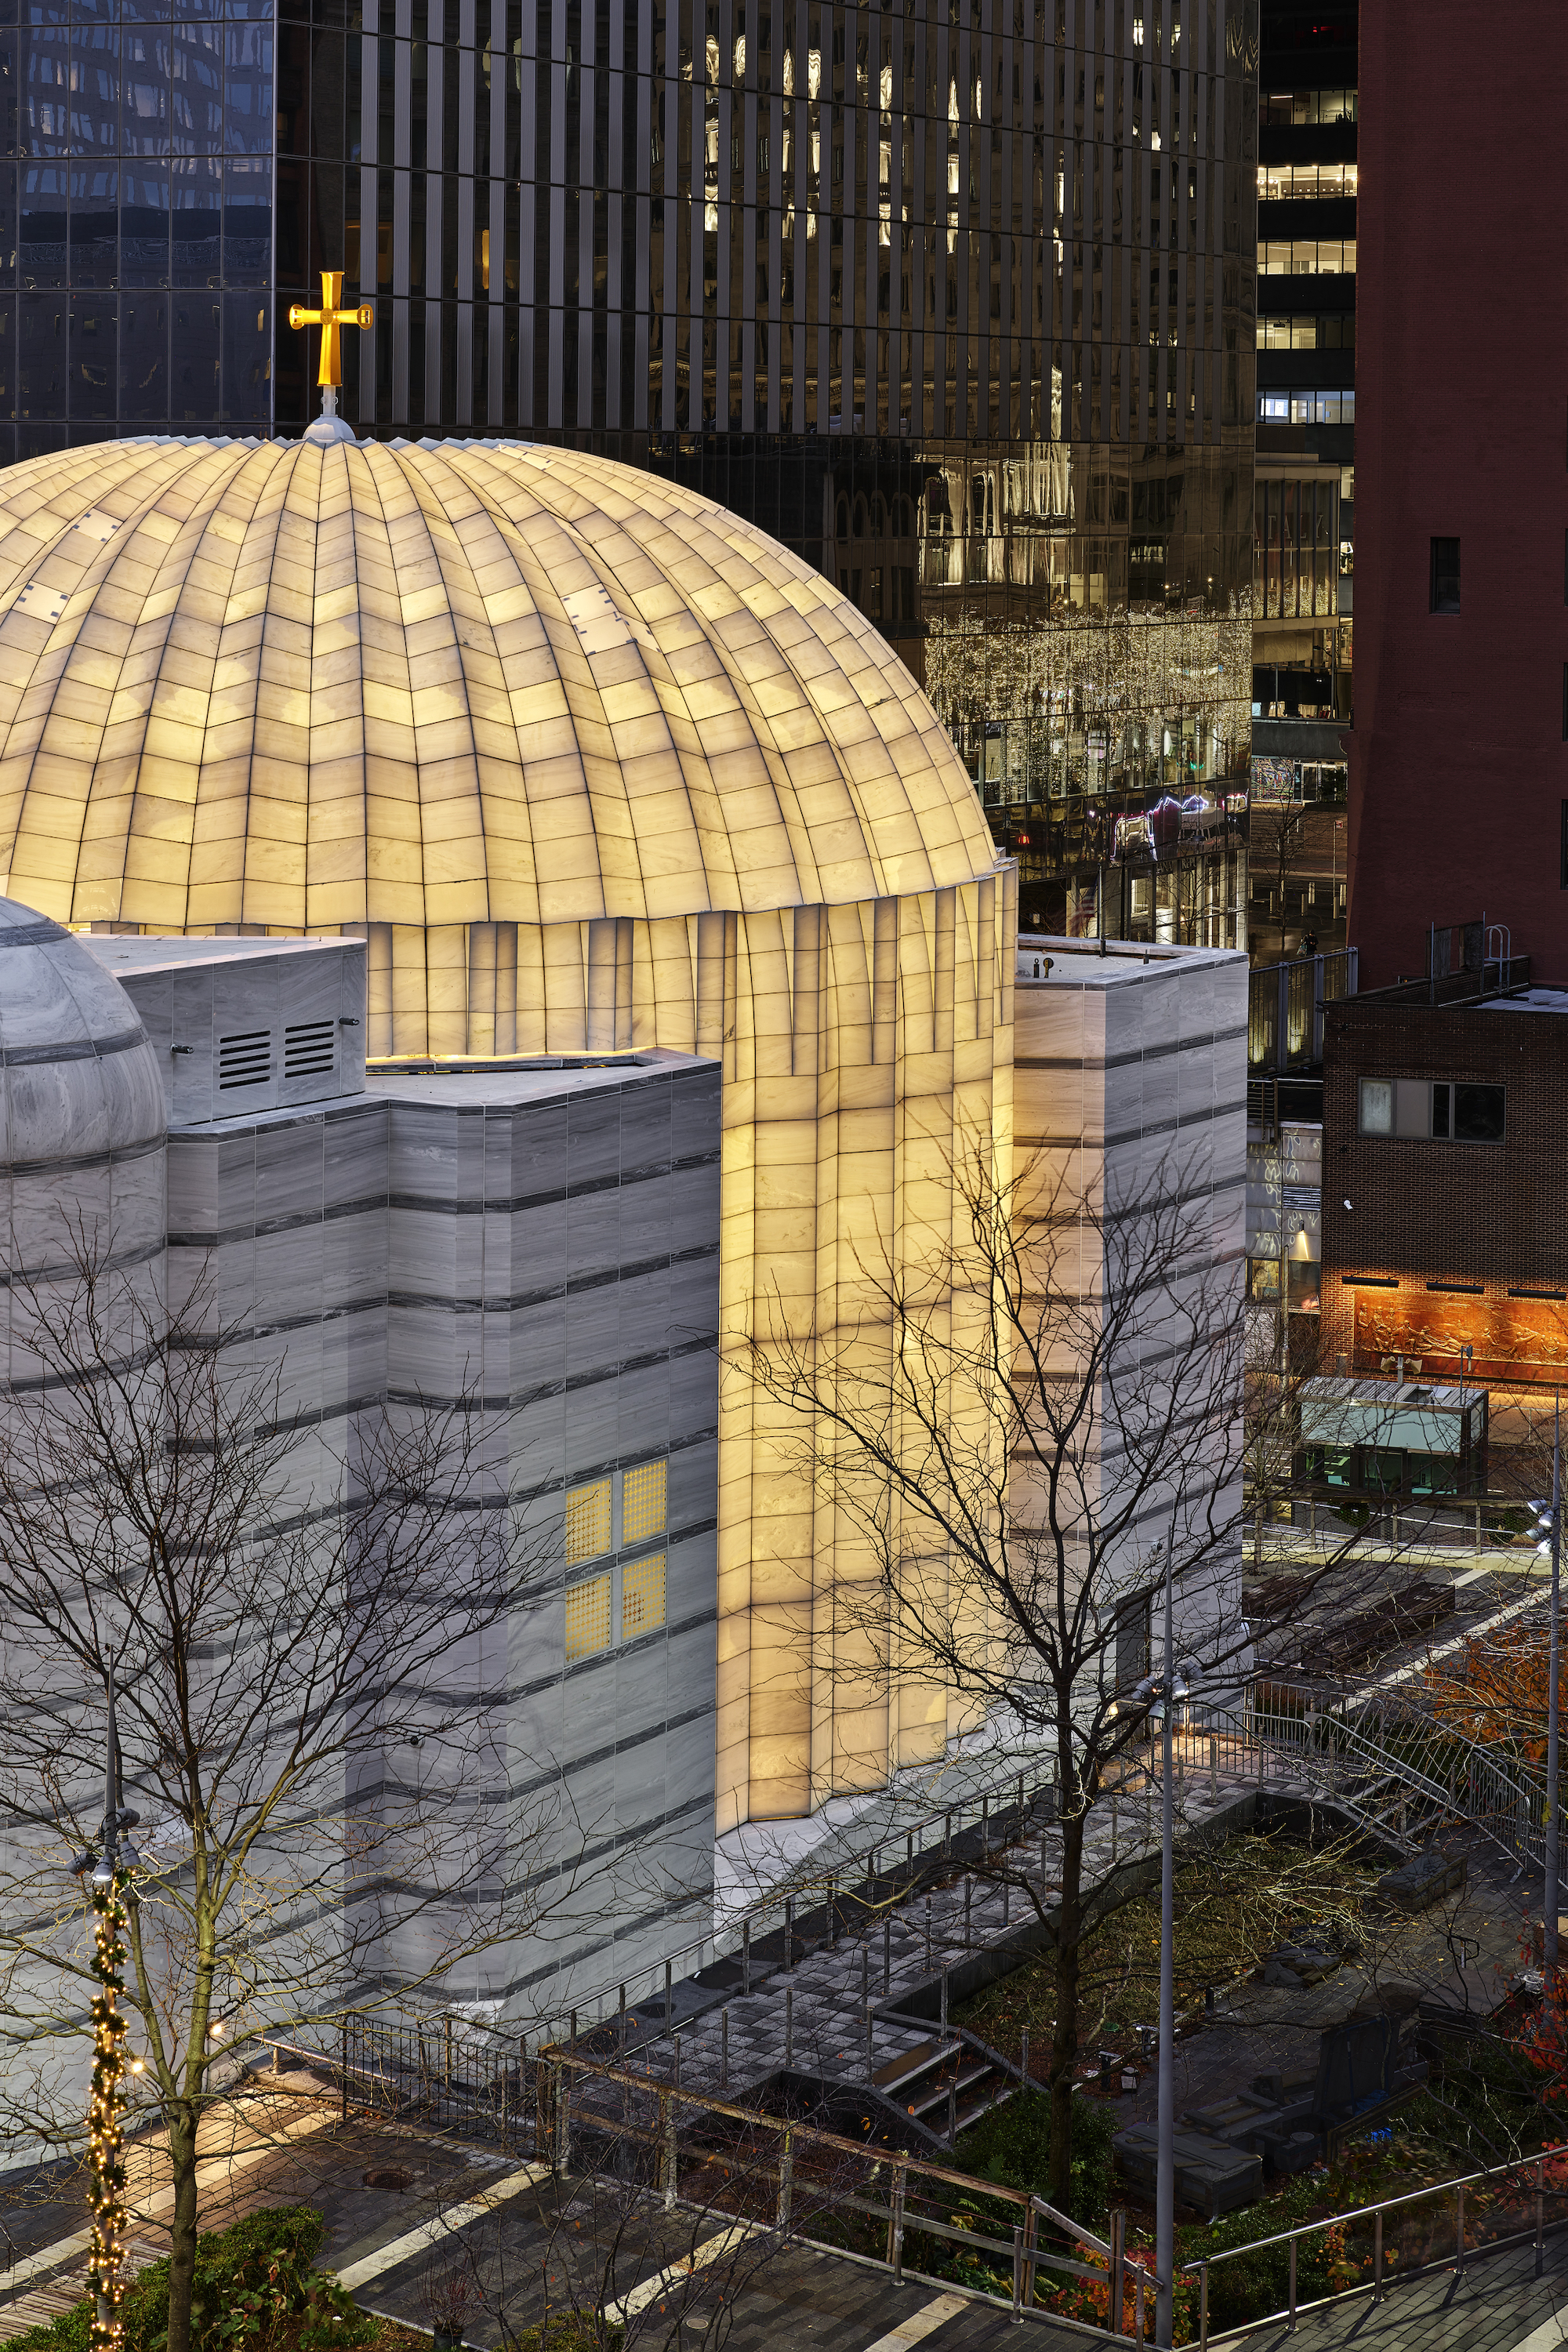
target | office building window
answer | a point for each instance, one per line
(1292, 108)
(1444, 575)
(643, 1502)
(1441, 1110)
(1331, 331)
(1277, 182)
(1306, 256)
(1306, 408)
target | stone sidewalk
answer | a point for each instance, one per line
(1499, 2305)
(834, 2013)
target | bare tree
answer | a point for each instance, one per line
(1277, 840)
(1056, 1421)
(286, 1603)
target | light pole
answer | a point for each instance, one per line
(106, 2112)
(1167, 1693)
(1550, 1922)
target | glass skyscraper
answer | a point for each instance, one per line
(956, 299)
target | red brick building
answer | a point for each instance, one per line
(1445, 1206)
(1460, 755)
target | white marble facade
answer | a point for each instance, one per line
(536, 1242)
(1130, 1096)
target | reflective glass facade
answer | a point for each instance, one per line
(955, 298)
(136, 206)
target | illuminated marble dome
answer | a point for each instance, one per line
(308, 686)
(591, 765)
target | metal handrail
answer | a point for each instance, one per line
(1018, 1790)
(1511, 1810)
(1491, 1795)
(1383, 2205)
(1203, 2264)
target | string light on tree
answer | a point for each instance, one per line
(105, 2116)
(106, 2110)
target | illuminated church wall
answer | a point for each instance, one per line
(590, 765)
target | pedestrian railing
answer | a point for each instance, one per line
(1483, 1525)
(1433, 2229)
(828, 1897)
(1393, 1736)
(774, 2170)
(866, 2195)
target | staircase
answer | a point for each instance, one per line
(947, 2084)
(66, 2289)
(1406, 1774)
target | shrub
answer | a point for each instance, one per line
(251, 2279)
(1012, 2145)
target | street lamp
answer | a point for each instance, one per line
(1549, 1528)
(1165, 1695)
(106, 2118)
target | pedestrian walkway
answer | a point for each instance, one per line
(1499, 2305)
(864, 2007)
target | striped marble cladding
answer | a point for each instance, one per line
(544, 1246)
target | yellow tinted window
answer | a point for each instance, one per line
(587, 1521)
(642, 1597)
(587, 1618)
(642, 1503)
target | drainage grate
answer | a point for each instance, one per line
(245, 1059)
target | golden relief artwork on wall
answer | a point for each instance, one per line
(1511, 1338)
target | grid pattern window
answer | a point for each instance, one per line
(1333, 331)
(1439, 1110)
(642, 1596)
(1279, 182)
(587, 1618)
(1306, 408)
(1296, 546)
(137, 268)
(1310, 257)
(588, 1521)
(1284, 109)
(643, 1502)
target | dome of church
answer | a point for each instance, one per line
(590, 765)
(78, 1080)
(308, 685)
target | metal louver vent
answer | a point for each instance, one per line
(245, 1059)
(308, 1048)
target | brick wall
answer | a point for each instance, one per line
(1450, 1233)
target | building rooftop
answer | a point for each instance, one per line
(1528, 1000)
(1090, 963)
(120, 952)
(480, 1085)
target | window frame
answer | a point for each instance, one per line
(1448, 1089)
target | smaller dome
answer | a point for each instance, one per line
(80, 1079)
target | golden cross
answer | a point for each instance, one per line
(330, 318)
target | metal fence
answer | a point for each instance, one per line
(776, 2170)
(1345, 1751)
(1439, 2228)
(1285, 1008)
(824, 1894)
